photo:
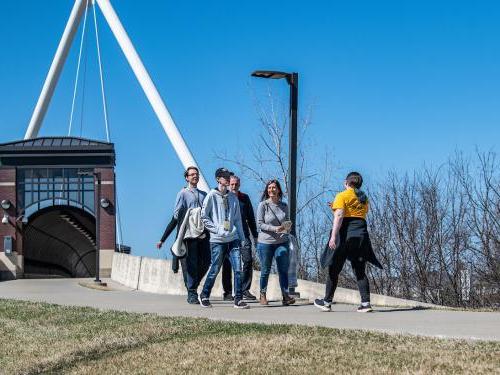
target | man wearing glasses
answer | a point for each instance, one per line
(197, 260)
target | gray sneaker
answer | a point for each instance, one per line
(193, 300)
(323, 305)
(249, 296)
(365, 309)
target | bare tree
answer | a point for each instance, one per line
(437, 233)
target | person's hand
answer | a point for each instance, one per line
(280, 229)
(159, 245)
(332, 244)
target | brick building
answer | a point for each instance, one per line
(49, 195)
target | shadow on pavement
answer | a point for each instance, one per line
(416, 308)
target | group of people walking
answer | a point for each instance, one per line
(214, 230)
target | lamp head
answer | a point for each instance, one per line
(5, 219)
(270, 74)
(105, 203)
(5, 204)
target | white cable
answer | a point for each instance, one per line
(105, 110)
(78, 69)
(104, 106)
(149, 89)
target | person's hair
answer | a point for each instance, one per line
(265, 194)
(234, 177)
(355, 180)
(186, 172)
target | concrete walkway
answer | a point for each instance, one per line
(436, 323)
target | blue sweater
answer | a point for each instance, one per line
(216, 209)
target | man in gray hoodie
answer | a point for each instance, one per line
(222, 218)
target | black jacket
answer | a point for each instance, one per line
(170, 228)
(247, 215)
(356, 227)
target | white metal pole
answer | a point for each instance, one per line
(149, 88)
(55, 69)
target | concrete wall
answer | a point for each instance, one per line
(156, 276)
(10, 265)
(126, 269)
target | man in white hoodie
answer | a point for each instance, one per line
(222, 218)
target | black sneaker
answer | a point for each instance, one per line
(241, 305)
(204, 302)
(365, 309)
(323, 305)
(227, 297)
(249, 296)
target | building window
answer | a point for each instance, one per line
(38, 188)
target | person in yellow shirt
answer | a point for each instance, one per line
(349, 240)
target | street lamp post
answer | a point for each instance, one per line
(293, 81)
(97, 204)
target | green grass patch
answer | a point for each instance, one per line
(44, 338)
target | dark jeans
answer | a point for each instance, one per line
(219, 252)
(358, 266)
(246, 272)
(195, 264)
(266, 254)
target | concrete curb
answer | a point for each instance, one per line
(156, 276)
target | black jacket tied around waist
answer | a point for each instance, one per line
(355, 231)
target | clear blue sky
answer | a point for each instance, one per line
(395, 84)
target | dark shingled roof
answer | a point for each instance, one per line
(57, 151)
(56, 143)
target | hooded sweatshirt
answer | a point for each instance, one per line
(217, 208)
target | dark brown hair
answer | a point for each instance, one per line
(354, 180)
(186, 172)
(265, 195)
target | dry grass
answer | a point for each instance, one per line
(43, 338)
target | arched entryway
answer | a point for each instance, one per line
(49, 185)
(59, 241)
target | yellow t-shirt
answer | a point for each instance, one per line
(348, 201)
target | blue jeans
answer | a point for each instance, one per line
(266, 254)
(219, 252)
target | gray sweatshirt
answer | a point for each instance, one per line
(216, 209)
(269, 217)
(187, 198)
